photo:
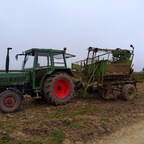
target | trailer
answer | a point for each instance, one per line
(106, 71)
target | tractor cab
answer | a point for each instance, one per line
(44, 58)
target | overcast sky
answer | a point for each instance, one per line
(76, 24)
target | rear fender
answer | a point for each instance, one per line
(69, 71)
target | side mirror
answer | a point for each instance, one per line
(132, 46)
(16, 57)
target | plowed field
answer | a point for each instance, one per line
(84, 120)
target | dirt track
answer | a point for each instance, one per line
(133, 134)
(83, 121)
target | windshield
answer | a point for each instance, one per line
(28, 61)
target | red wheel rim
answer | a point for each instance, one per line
(62, 88)
(9, 102)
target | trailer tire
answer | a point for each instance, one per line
(10, 101)
(59, 88)
(128, 92)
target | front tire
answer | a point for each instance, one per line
(10, 101)
(59, 88)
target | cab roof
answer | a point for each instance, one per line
(32, 50)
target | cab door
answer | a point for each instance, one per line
(42, 66)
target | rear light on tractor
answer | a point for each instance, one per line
(64, 48)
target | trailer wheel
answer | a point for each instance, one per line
(128, 92)
(10, 101)
(59, 88)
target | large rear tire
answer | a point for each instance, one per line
(10, 101)
(59, 88)
(128, 92)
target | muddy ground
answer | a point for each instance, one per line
(84, 120)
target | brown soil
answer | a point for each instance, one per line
(87, 120)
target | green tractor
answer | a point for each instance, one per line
(44, 74)
(106, 71)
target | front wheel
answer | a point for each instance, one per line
(59, 88)
(128, 92)
(10, 101)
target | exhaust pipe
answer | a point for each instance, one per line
(7, 60)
